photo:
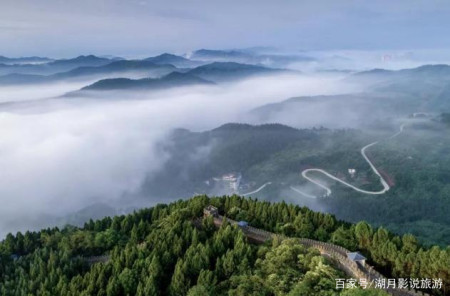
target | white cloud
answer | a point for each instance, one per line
(58, 156)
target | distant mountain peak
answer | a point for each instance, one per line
(82, 59)
(168, 58)
(227, 71)
(173, 79)
(169, 55)
(89, 56)
(245, 126)
(230, 66)
(431, 69)
(204, 51)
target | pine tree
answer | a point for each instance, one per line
(179, 284)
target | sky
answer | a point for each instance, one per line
(83, 146)
(65, 28)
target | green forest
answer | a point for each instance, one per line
(417, 162)
(419, 202)
(170, 250)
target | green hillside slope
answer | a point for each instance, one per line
(168, 250)
(416, 163)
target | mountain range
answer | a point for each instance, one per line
(203, 75)
(277, 154)
(92, 67)
(116, 68)
(249, 57)
(229, 71)
(177, 61)
(174, 79)
(55, 66)
(24, 60)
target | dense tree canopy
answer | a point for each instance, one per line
(167, 250)
(416, 164)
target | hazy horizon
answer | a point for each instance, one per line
(141, 27)
(94, 131)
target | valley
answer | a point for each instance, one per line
(383, 182)
(224, 148)
(315, 161)
(274, 171)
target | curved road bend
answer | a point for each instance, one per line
(257, 190)
(386, 186)
(248, 193)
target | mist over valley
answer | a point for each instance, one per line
(224, 148)
(119, 134)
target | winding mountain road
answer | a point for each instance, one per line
(328, 191)
(386, 186)
(257, 190)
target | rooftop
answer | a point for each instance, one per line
(243, 223)
(355, 256)
(210, 208)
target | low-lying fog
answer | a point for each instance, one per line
(61, 155)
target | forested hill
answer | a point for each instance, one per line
(168, 250)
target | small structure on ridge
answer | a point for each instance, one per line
(242, 224)
(357, 257)
(211, 211)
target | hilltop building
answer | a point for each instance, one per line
(211, 211)
(243, 224)
(352, 172)
(357, 257)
